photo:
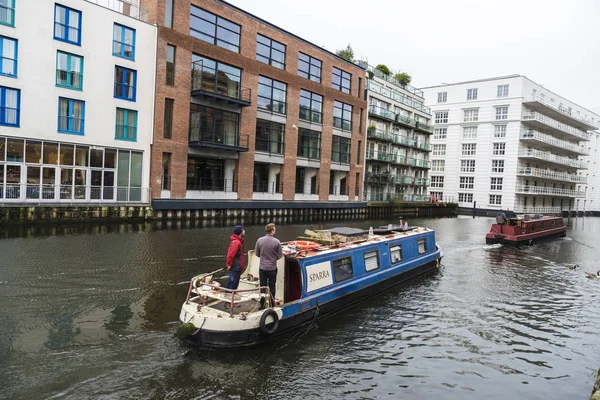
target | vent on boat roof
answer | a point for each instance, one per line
(348, 231)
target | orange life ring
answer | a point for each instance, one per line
(305, 245)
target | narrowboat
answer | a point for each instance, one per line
(314, 280)
(527, 230)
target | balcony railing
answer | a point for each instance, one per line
(403, 120)
(212, 184)
(552, 175)
(553, 158)
(377, 196)
(396, 138)
(301, 188)
(528, 189)
(403, 180)
(382, 113)
(537, 210)
(220, 139)
(390, 79)
(383, 157)
(125, 8)
(421, 198)
(562, 110)
(270, 187)
(421, 182)
(552, 141)
(555, 125)
(424, 127)
(337, 190)
(396, 96)
(38, 193)
(220, 87)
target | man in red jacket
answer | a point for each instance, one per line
(235, 257)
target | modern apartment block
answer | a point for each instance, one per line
(248, 111)
(509, 143)
(397, 157)
(593, 175)
(76, 101)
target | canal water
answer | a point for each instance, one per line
(90, 313)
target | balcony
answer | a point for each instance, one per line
(378, 178)
(125, 8)
(377, 196)
(402, 180)
(220, 87)
(382, 113)
(396, 96)
(423, 127)
(549, 142)
(405, 121)
(218, 140)
(212, 185)
(537, 210)
(390, 79)
(386, 158)
(421, 182)
(548, 191)
(538, 103)
(551, 175)
(559, 129)
(551, 158)
(413, 162)
(416, 198)
(396, 138)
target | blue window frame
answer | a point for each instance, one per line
(125, 83)
(124, 42)
(9, 53)
(7, 12)
(10, 106)
(71, 116)
(126, 125)
(69, 70)
(67, 24)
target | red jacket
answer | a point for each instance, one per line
(235, 253)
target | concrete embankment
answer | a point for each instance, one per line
(596, 390)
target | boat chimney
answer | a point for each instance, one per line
(370, 231)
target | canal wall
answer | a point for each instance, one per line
(596, 389)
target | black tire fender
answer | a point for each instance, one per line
(263, 322)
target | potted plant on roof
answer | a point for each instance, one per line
(402, 78)
(385, 71)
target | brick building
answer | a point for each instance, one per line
(245, 110)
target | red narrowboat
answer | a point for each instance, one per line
(517, 231)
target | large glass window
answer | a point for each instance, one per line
(67, 24)
(7, 12)
(309, 144)
(341, 80)
(206, 174)
(69, 70)
(340, 150)
(71, 114)
(210, 125)
(8, 55)
(342, 269)
(124, 41)
(126, 125)
(10, 106)
(215, 77)
(270, 51)
(215, 30)
(309, 67)
(342, 116)
(270, 137)
(271, 95)
(311, 106)
(125, 83)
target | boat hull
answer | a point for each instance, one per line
(519, 240)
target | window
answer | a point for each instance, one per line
(437, 181)
(396, 254)
(213, 126)
(168, 119)
(311, 106)
(497, 166)
(67, 24)
(10, 106)
(171, 64)
(496, 183)
(125, 83)
(271, 95)
(465, 197)
(342, 269)
(166, 171)
(7, 13)
(269, 137)
(8, 55)
(441, 117)
(71, 114)
(501, 113)
(469, 149)
(466, 182)
(502, 90)
(341, 80)
(358, 155)
(438, 165)
(340, 150)
(467, 166)
(342, 116)
(169, 14)
(422, 246)
(471, 94)
(126, 125)
(69, 70)
(442, 97)
(309, 144)
(499, 149)
(213, 29)
(436, 195)
(469, 132)
(471, 115)
(124, 42)
(440, 133)
(371, 260)
(270, 52)
(500, 131)
(215, 77)
(496, 199)
(439, 150)
(309, 67)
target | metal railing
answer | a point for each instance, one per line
(550, 157)
(383, 157)
(210, 81)
(337, 190)
(212, 184)
(401, 119)
(220, 138)
(377, 196)
(270, 187)
(307, 114)
(390, 79)
(535, 116)
(553, 175)
(396, 138)
(301, 188)
(566, 111)
(396, 96)
(67, 193)
(125, 8)
(537, 210)
(528, 189)
(381, 112)
(424, 127)
(532, 134)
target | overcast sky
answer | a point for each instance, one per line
(554, 43)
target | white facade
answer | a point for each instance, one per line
(593, 175)
(509, 143)
(74, 140)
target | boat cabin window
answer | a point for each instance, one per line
(396, 254)
(371, 260)
(342, 269)
(421, 245)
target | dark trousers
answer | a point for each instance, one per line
(234, 279)
(267, 278)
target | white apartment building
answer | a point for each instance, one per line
(398, 131)
(76, 101)
(509, 143)
(592, 198)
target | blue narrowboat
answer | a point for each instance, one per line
(313, 281)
